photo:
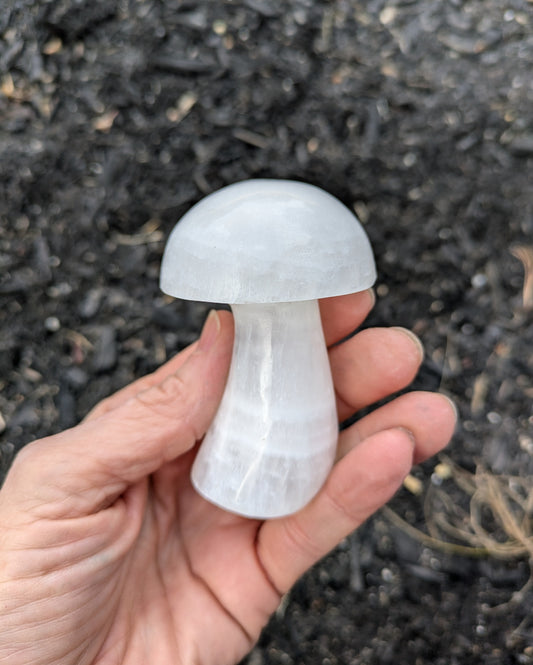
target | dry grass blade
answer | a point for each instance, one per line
(492, 493)
(524, 253)
(496, 519)
(493, 518)
(430, 541)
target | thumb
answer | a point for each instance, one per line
(150, 428)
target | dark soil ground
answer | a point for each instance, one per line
(117, 115)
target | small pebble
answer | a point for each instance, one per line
(26, 416)
(220, 27)
(76, 377)
(90, 304)
(479, 280)
(52, 324)
(7, 451)
(387, 575)
(105, 350)
(59, 290)
(41, 259)
(494, 418)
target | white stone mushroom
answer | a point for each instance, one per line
(270, 249)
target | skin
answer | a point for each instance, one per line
(107, 555)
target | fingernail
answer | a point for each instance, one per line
(409, 434)
(452, 404)
(372, 295)
(210, 331)
(414, 338)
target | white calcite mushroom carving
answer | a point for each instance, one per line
(270, 249)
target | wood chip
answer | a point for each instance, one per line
(7, 87)
(387, 15)
(479, 394)
(105, 121)
(138, 238)
(246, 136)
(443, 471)
(53, 46)
(413, 485)
(183, 107)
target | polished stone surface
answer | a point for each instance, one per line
(274, 437)
(267, 241)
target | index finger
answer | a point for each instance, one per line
(147, 381)
(342, 315)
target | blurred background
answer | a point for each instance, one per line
(117, 116)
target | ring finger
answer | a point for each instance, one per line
(372, 365)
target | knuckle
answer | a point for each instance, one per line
(27, 456)
(342, 507)
(27, 464)
(166, 399)
(301, 541)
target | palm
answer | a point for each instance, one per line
(190, 560)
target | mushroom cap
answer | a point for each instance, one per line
(265, 241)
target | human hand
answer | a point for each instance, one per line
(108, 555)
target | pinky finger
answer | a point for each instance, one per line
(364, 480)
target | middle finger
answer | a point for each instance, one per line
(372, 365)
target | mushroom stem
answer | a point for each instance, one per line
(273, 440)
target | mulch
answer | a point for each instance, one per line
(117, 116)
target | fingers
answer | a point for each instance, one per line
(101, 457)
(342, 315)
(373, 364)
(377, 455)
(358, 485)
(430, 417)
